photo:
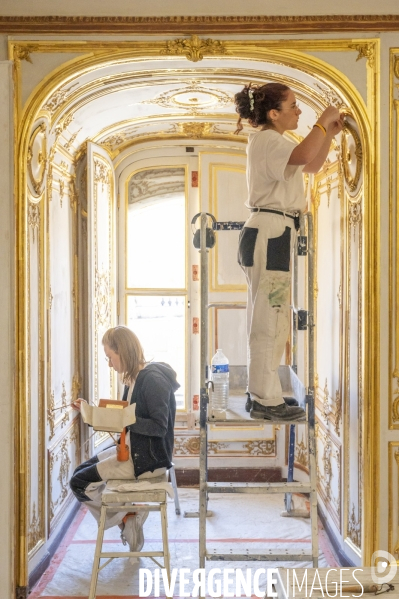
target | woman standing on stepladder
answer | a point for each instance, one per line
(276, 198)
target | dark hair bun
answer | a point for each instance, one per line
(243, 104)
(254, 102)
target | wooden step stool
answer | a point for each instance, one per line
(116, 501)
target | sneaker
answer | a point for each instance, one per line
(280, 412)
(248, 403)
(129, 531)
(139, 522)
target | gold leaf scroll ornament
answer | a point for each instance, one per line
(194, 48)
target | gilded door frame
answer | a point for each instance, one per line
(287, 52)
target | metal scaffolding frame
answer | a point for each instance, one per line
(305, 247)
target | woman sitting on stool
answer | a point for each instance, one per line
(150, 439)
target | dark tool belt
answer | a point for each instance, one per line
(294, 218)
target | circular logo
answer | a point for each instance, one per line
(383, 567)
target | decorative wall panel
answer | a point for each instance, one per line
(101, 273)
(63, 457)
(36, 521)
(337, 203)
(223, 193)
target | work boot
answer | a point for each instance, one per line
(291, 401)
(248, 404)
(280, 412)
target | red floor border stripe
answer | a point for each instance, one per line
(58, 557)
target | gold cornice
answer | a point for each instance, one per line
(187, 25)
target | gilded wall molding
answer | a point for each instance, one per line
(51, 415)
(103, 297)
(393, 498)
(189, 446)
(301, 453)
(338, 412)
(60, 456)
(37, 158)
(34, 531)
(61, 184)
(33, 218)
(330, 459)
(198, 24)
(356, 155)
(367, 51)
(57, 99)
(69, 143)
(354, 529)
(23, 52)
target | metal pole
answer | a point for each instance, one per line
(311, 393)
(203, 392)
(294, 361)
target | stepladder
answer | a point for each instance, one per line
(303, 394)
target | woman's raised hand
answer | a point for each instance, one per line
(77, 402)
(336, 126)
(330, 115)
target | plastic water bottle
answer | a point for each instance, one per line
(220, 378)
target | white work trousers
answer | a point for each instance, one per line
(264, 254)
(108, 467)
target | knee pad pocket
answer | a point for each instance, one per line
(279, 252)
(246, 246)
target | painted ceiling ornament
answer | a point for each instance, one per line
(194, 48)
(193, 98)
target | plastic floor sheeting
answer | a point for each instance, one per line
(239, 523)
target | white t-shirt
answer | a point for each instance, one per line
(272, 183)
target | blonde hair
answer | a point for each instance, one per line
(126, 344)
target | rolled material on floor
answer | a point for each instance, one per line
(356, 588)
